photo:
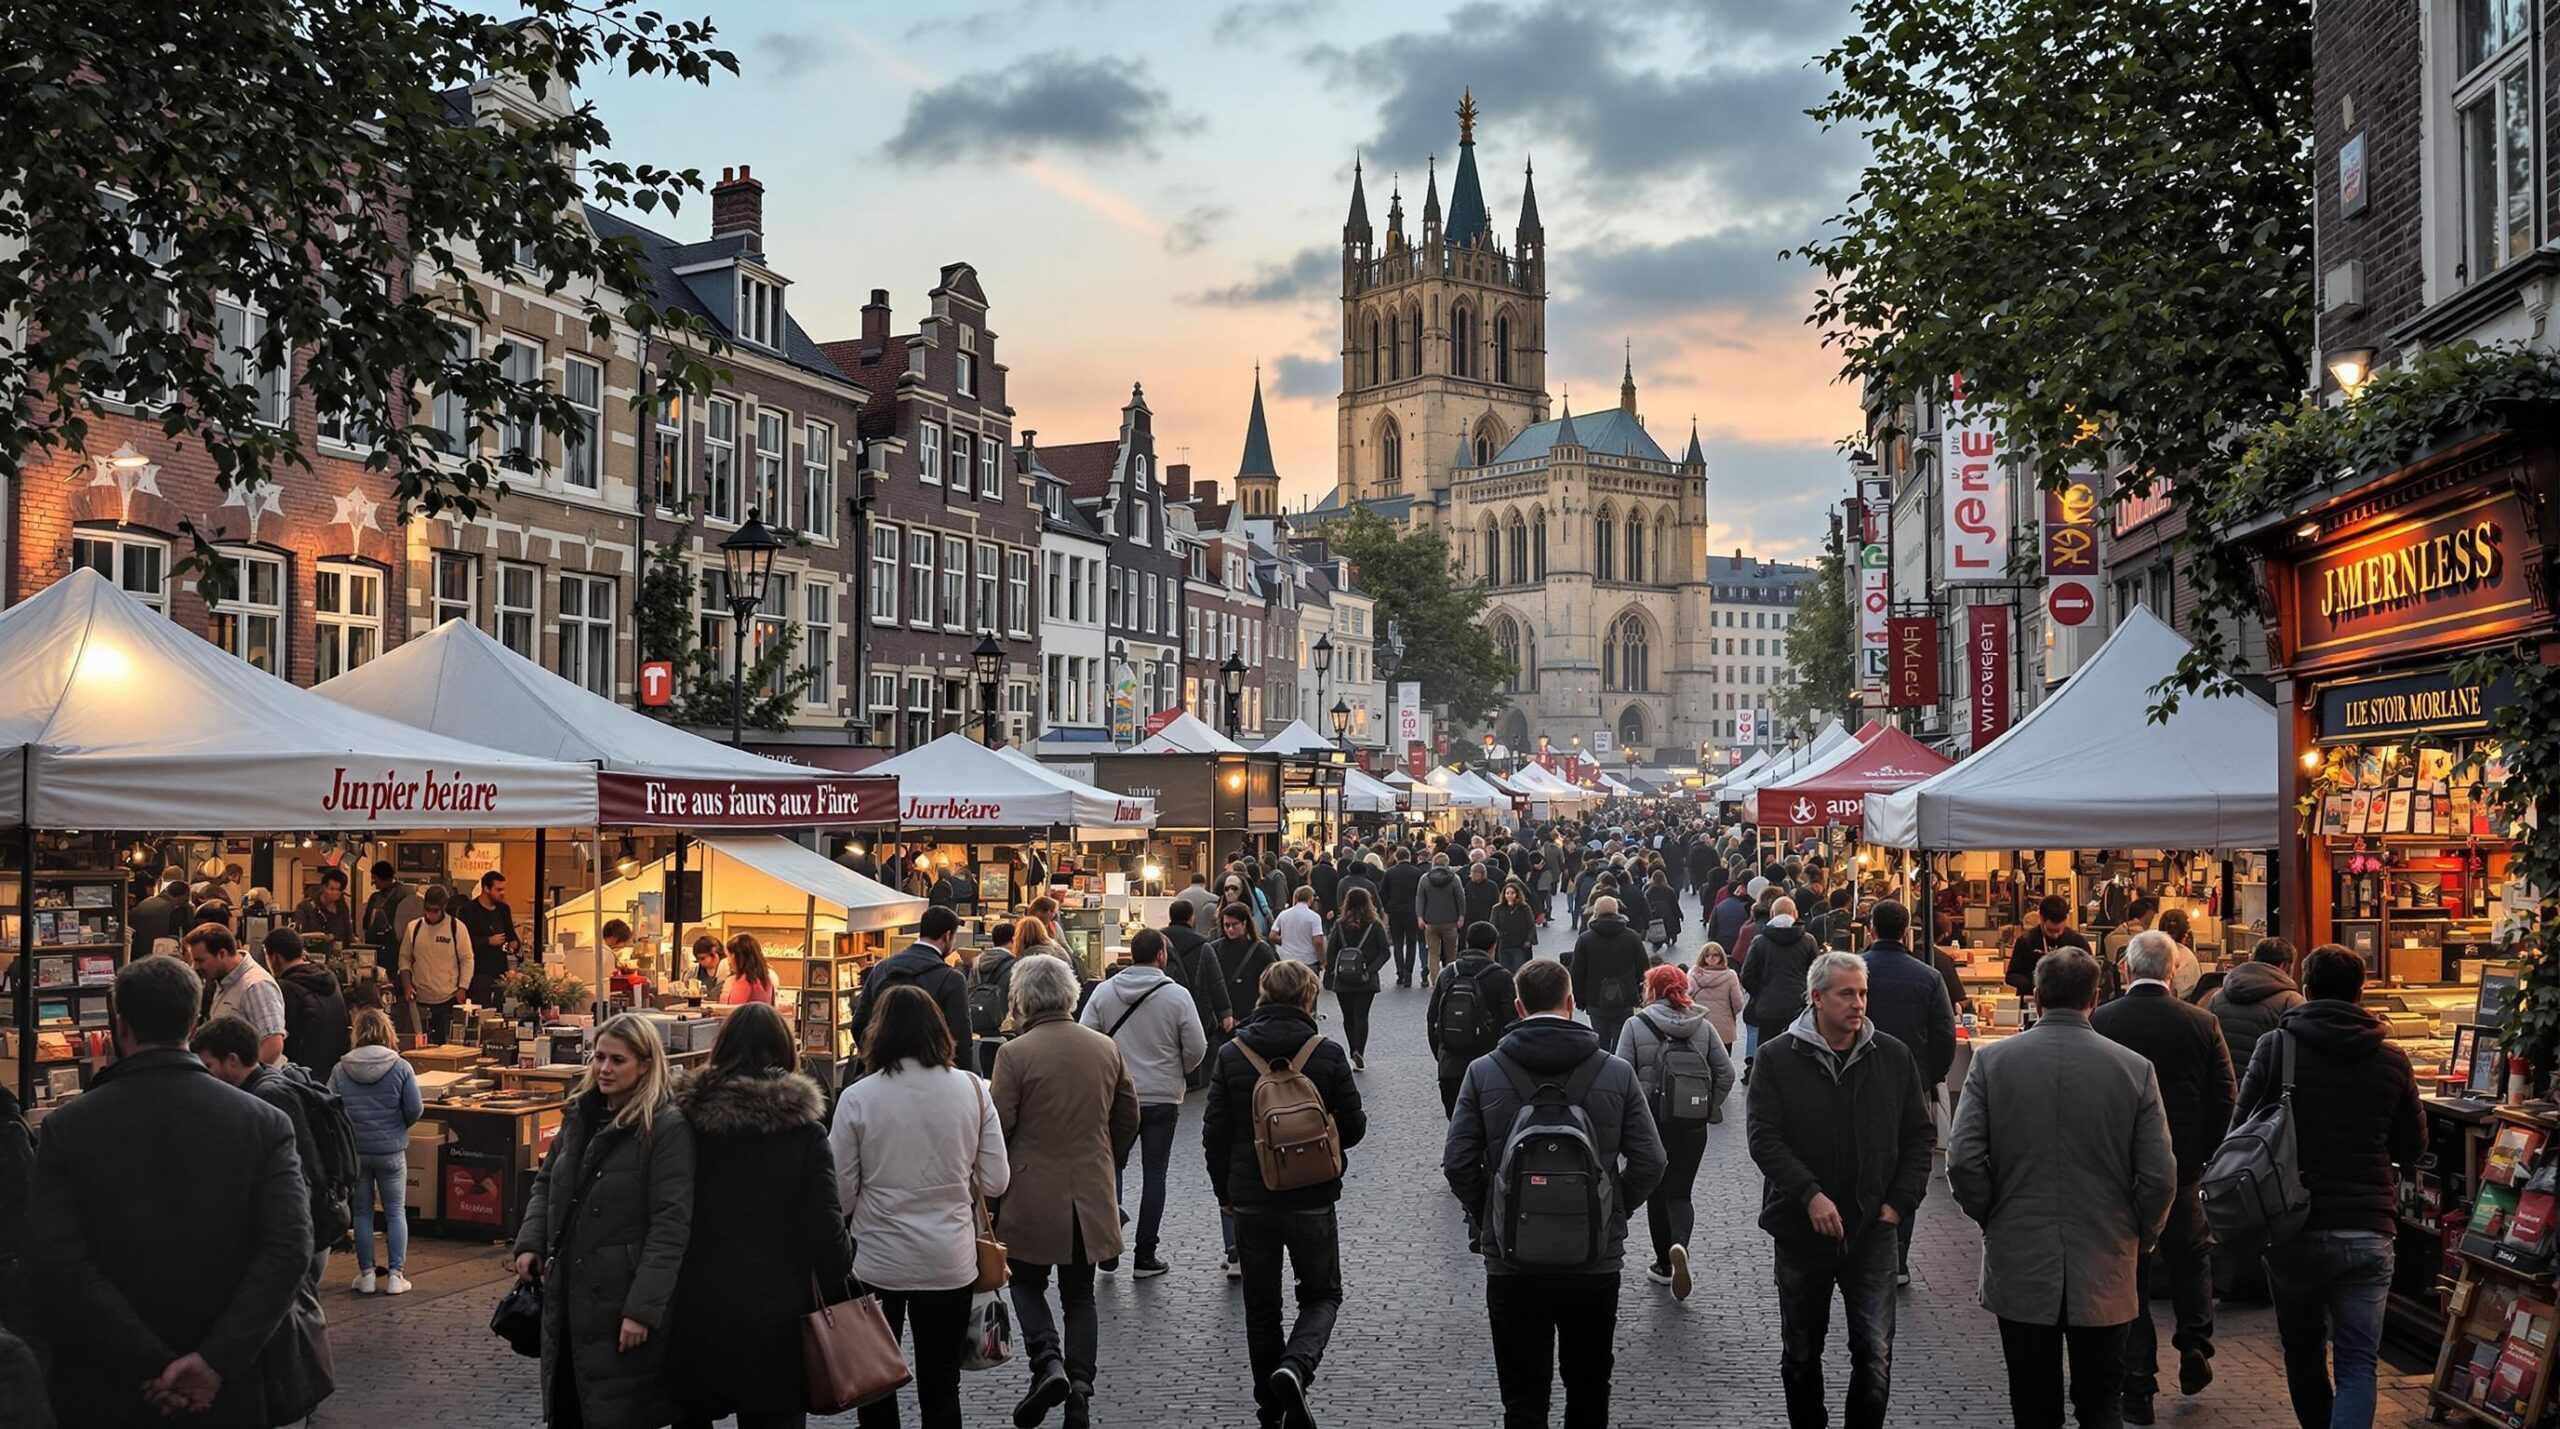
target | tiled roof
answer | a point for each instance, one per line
(1086, 467)
(1764, 580)
(663, 255)
(1609, 430)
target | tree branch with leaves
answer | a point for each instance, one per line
(1418, 586)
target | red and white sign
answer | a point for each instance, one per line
(1973, 490)
(1911, 676)
(657, 683)
(2071, 552)
(691, 803)
(1746, 726)
(1888, 760)
(1872, 546)
(1157, 721)
(1417, 760)
(1986, 671)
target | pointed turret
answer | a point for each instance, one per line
(1257, 476)
(1531, 231)
(1355, 229)
(1395, 216)
(1468, 221)
(1696, 455)
(1627, 382)
(1431, 203)
(1465, 457)
(1566, 436)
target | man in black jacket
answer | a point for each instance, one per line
(2355, 1109)
(2053, 930)
(1299, 1222)
(151, 1311)
(1552, 1323)
(1395, 894)
(1195, 966)
(1907, 1002)
(1773, 971)
(1725, 920)
(1842, 1139)
(1609, 962)
(923, 963)
(316, 1024)
(2184, 1045)
(161, 917)
(1494, 1011)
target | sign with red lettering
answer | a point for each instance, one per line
(1157, 721)
(657, 683)
(2071, 552)
(1417, 760)
(1986, 670)
(1911, 677)
(1973, 490)
(1874, 550)
(688, 803)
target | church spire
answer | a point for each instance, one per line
(1566, 436)
(1627, 383)
(1431, 200)
(1696, 455)
(1468, 220)
(1395, 215)
(1257, 476)
(1531, 231)
(1355, 229)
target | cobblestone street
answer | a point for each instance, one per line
(1410, 1348)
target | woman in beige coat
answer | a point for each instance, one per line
(1069, 1114)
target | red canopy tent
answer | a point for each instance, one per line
(1887, 761)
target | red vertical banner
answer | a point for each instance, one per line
(1986, 670)
(1911, 675)
(1417, 760)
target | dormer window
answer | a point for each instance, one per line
(759, 311)
(964, 368)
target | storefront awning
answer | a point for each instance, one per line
(756, 876)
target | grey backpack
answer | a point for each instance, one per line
(1551, 1200)
(2253, 1191)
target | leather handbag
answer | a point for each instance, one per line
(518, 1318)
(296, 1371)
(993, 1271)
(852, 1355)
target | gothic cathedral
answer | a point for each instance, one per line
(1590, 538)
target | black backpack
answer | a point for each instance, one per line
(1683, 1093)
(987, 1006)
(1552, 1198)
(1466, 1024)
(333, 1134)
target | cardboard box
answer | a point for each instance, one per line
(444, 1058)
(426, 1174)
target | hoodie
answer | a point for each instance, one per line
(316, 1025)
(1773, 974)
(1160, 1037)
(1550, 1048)
(381, 1094)
(1226, 1126)
(1642, 1040)
(2253, 998)
(2356, 1112)
(1441, 899)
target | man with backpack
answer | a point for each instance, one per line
(989, 979)
(1609, 962)
(1843, 1142)
(1549, 1145)
(925, 963)
(317, 1026)
(1283, 1112)
(1471, 1007)
(1152, 1018)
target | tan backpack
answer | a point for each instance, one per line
(1294, 1137)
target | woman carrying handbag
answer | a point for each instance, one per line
(764, 1223)
(604, 1234)
(916, 1144)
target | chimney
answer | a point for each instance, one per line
(1177, 482)
(1206, 492)
(875, 329)
(1737, 556)
(737, 206)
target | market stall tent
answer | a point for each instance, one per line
(1297, 738)
(957, 783)
(1758, 761)
(1186, 733)
(762, 876)
(1881, 761)
(1466, 791)
(2089, 768)
(1833, 737)
(112, 716)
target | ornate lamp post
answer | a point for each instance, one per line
(1341, 721)
(1231, 682)
(747, 554)
(989, 659)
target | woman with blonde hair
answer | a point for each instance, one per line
(1032, 934)
(605, 1231)
(750, 979)
(381, 1096)
(1717, 989)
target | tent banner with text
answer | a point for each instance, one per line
(693, 803)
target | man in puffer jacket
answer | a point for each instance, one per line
(2254, 997)
(1773, 971)
(1440, 901)
(1609, 962)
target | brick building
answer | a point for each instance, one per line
(1119, 486)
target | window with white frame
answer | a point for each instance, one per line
(920, 578)
(337, 423)
(772, 623)
(991, 468)
(347, 625)
(154, 310)
(818, 481)
(138, 565)
(1053, 685)
(1092, 591)
(713, 625)
(240, 330)
(2495, 112)
(964, 369)
(249, 622)
(586, 632)
(919, 721)
(773, 449)
(929, 452)
(818, 644)
(667, 469)
(1053, 569)
(519, 608)
(1139, 525)
(884, 575)
(955, 578)
(457, 592)
(1017, 592)
(582, 445)
(759, 311)
(881, 699)
(519, 434)
(984, 614)
(720, 460)
(1117, 598)
(452, 412)
(960, 462)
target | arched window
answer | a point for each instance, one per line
(1484, 450)
(1462, 341)
(1626, 659)
(1502, 348)
(1506, 643)
(1390, 459)
(1635, 546)
(1413, 339)
(1519, 546)
(1395, 346)
(1604, 545)
(1631, 728)
(1666, 549)
(1375, 374)
(1538, 545)
(1492, 549)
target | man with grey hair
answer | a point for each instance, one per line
(2192, 1061)
(1842, 1140)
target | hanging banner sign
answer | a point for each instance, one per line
(1746, 726)
(1875, 578)
(2071, 552)
(690, 803)
(1973, 490)
(1911, 676)
(1986, 670)
(1417, 760)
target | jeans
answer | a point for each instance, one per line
(2329, 1288)
(1606, 1021)
(1404, 931)
(942, 1323)
(2186, 1253)
(1442, 943)
(1155, 1150)
(1355, 1019)
(1040, 1343)
(2035, 1354)
(1513, 959)
(1313, 1243)
(1550, 1324)
(438, 1019)
(1669, 1213)
(1862, 1271)
(386, 1177)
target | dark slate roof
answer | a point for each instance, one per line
(1069, 517)
(1467, 218)
(1767, 582)
(1257, 439)
(1529, 224)
(1696, 455)
(1608, 430)
(1358, 222)
(663, 256)
(1086, 467)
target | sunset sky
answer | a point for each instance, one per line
(1154, 192)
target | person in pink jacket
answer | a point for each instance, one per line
(1717, 990)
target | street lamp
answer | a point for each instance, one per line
(1341, 721)
(989, 658)
(748, 555)
(1231, 681)
(1324, 665)
(1391, 654)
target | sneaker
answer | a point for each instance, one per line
(1901, 1278)
(1359, 1063)
(1110, 1267)
(1148, 1267)
(364, 1282)
(1234, 1270)
(2195, 1371)
(1048, 1391)
(1289, 1396)
(1679, 1272)
(2137, 1409)
(399, 1284)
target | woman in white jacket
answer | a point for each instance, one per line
(916, 1142)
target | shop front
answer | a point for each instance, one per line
(1208, 807)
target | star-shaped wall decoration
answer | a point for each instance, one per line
(356, 511)
(259, 501)
(121, 472)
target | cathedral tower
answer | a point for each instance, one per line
(1443, 340)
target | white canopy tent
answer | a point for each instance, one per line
(117, 718)
(1421, 795)
(1186, 733)
(1298, 738)
(2088, 768)
(957, 783)
(761, 876)
(1360, 795)
(1833, 739)
(1544, 786)
(1758, 761)
(1466, 791)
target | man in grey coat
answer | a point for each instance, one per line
(2061, 1152)
(1157, 1025)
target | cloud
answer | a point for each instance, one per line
(1295, 377)
(1190, 233)
(1303, 274)
(1052, 101)
(1729, 270)
(1248, 23)
(789, 54)
(1772, 499)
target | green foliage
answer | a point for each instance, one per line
(2527, 734)
(291, 155)
(1822, 646)
(536, 987)
(2099, 214)
(1418, 586)
(664, 623)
